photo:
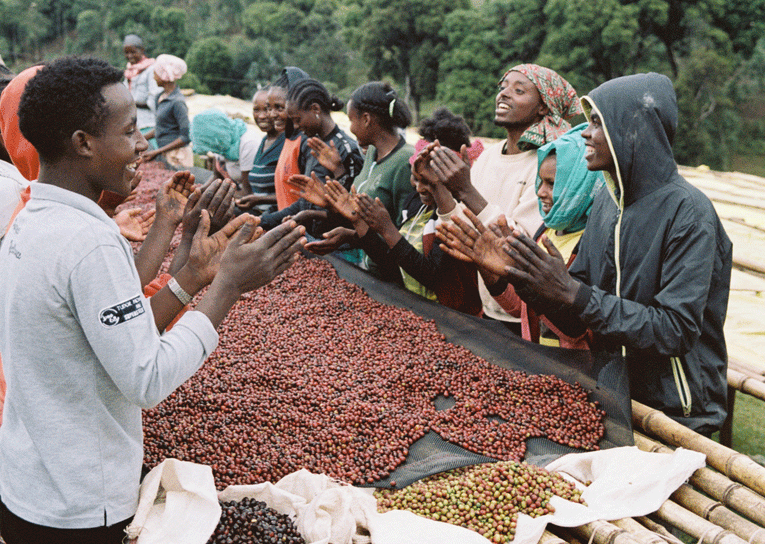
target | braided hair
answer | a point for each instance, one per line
(381, 100)
(306, 92)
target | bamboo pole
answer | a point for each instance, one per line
(696, 526)
(746, 368)
(659, 529)
(735, 465)
(749, 264)
(718, 514)
(549, 538)
(746, 384)
(716, 485)
(602, 532)
(746, 371)
(742, 222)
(639, 531)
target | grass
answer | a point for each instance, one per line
(749, 164)
(748, 435)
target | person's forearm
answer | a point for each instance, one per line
(149, 135)
(390, 234)
(218, 301)
(471, 198)
(153, 250)
(175, 144)
(181, 255)
(165, 305)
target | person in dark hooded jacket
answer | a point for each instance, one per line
(652, 275)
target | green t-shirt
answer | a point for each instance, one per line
(388, 179)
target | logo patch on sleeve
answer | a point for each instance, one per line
(119, 313)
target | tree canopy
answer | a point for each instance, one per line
(449, 52)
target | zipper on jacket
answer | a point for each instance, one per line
(681, 382)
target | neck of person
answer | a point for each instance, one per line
(327, 126)
(385, 142)
(514, 134)
(168, 88)
(68, 174)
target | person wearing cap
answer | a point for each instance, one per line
(171, 128)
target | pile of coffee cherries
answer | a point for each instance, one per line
(312, 373)
(249, 521)
(484, 498)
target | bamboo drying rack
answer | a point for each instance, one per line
(722, 503)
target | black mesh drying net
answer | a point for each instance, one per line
(604, 377)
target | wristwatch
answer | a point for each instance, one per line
(179, 292)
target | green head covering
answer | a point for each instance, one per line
(575, 186)
(213, 130)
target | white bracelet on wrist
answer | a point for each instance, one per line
(179, 292)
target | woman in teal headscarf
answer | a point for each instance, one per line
(234, 145)
(565, 190)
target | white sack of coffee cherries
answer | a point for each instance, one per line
(625, 482)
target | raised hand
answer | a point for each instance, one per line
(309, 188)
(252, 259)
(342, 201)
(217, 197)
(173, 196)
(374, 214)
(451, 169)
(544, 272)
(133, 224)
(207, 250)
(326, 154)
(476, 243)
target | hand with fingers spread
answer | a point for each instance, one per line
(453, 171)
(251, 259)
(309, 188)
(133, 224)
(207, 249)
(542, 270)
(217, 197)
(173, 196)
(481, 245)
(248, 202)
(421, 168)
(332, 240)
(327, 155)
(376, 216)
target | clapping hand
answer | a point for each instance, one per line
(309, 188)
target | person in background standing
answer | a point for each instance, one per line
(139, 78)
(171, 123)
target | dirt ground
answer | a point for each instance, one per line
(739, 200)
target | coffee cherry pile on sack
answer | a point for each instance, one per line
(484, 498)
(312, 373)
(249, 520)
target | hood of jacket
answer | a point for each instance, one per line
(639, 117)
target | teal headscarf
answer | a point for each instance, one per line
(575, 186)
(213, 130)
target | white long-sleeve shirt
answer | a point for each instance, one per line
(507, 182)
(82, 356)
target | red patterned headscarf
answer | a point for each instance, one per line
(559, 97)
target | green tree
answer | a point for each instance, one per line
(169, 28)
(708, 120)
(211, 60)
(397, 36)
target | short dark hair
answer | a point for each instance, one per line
(446, 127)
(63, 97)
(382, 101)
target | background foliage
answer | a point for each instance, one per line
(448, 52)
